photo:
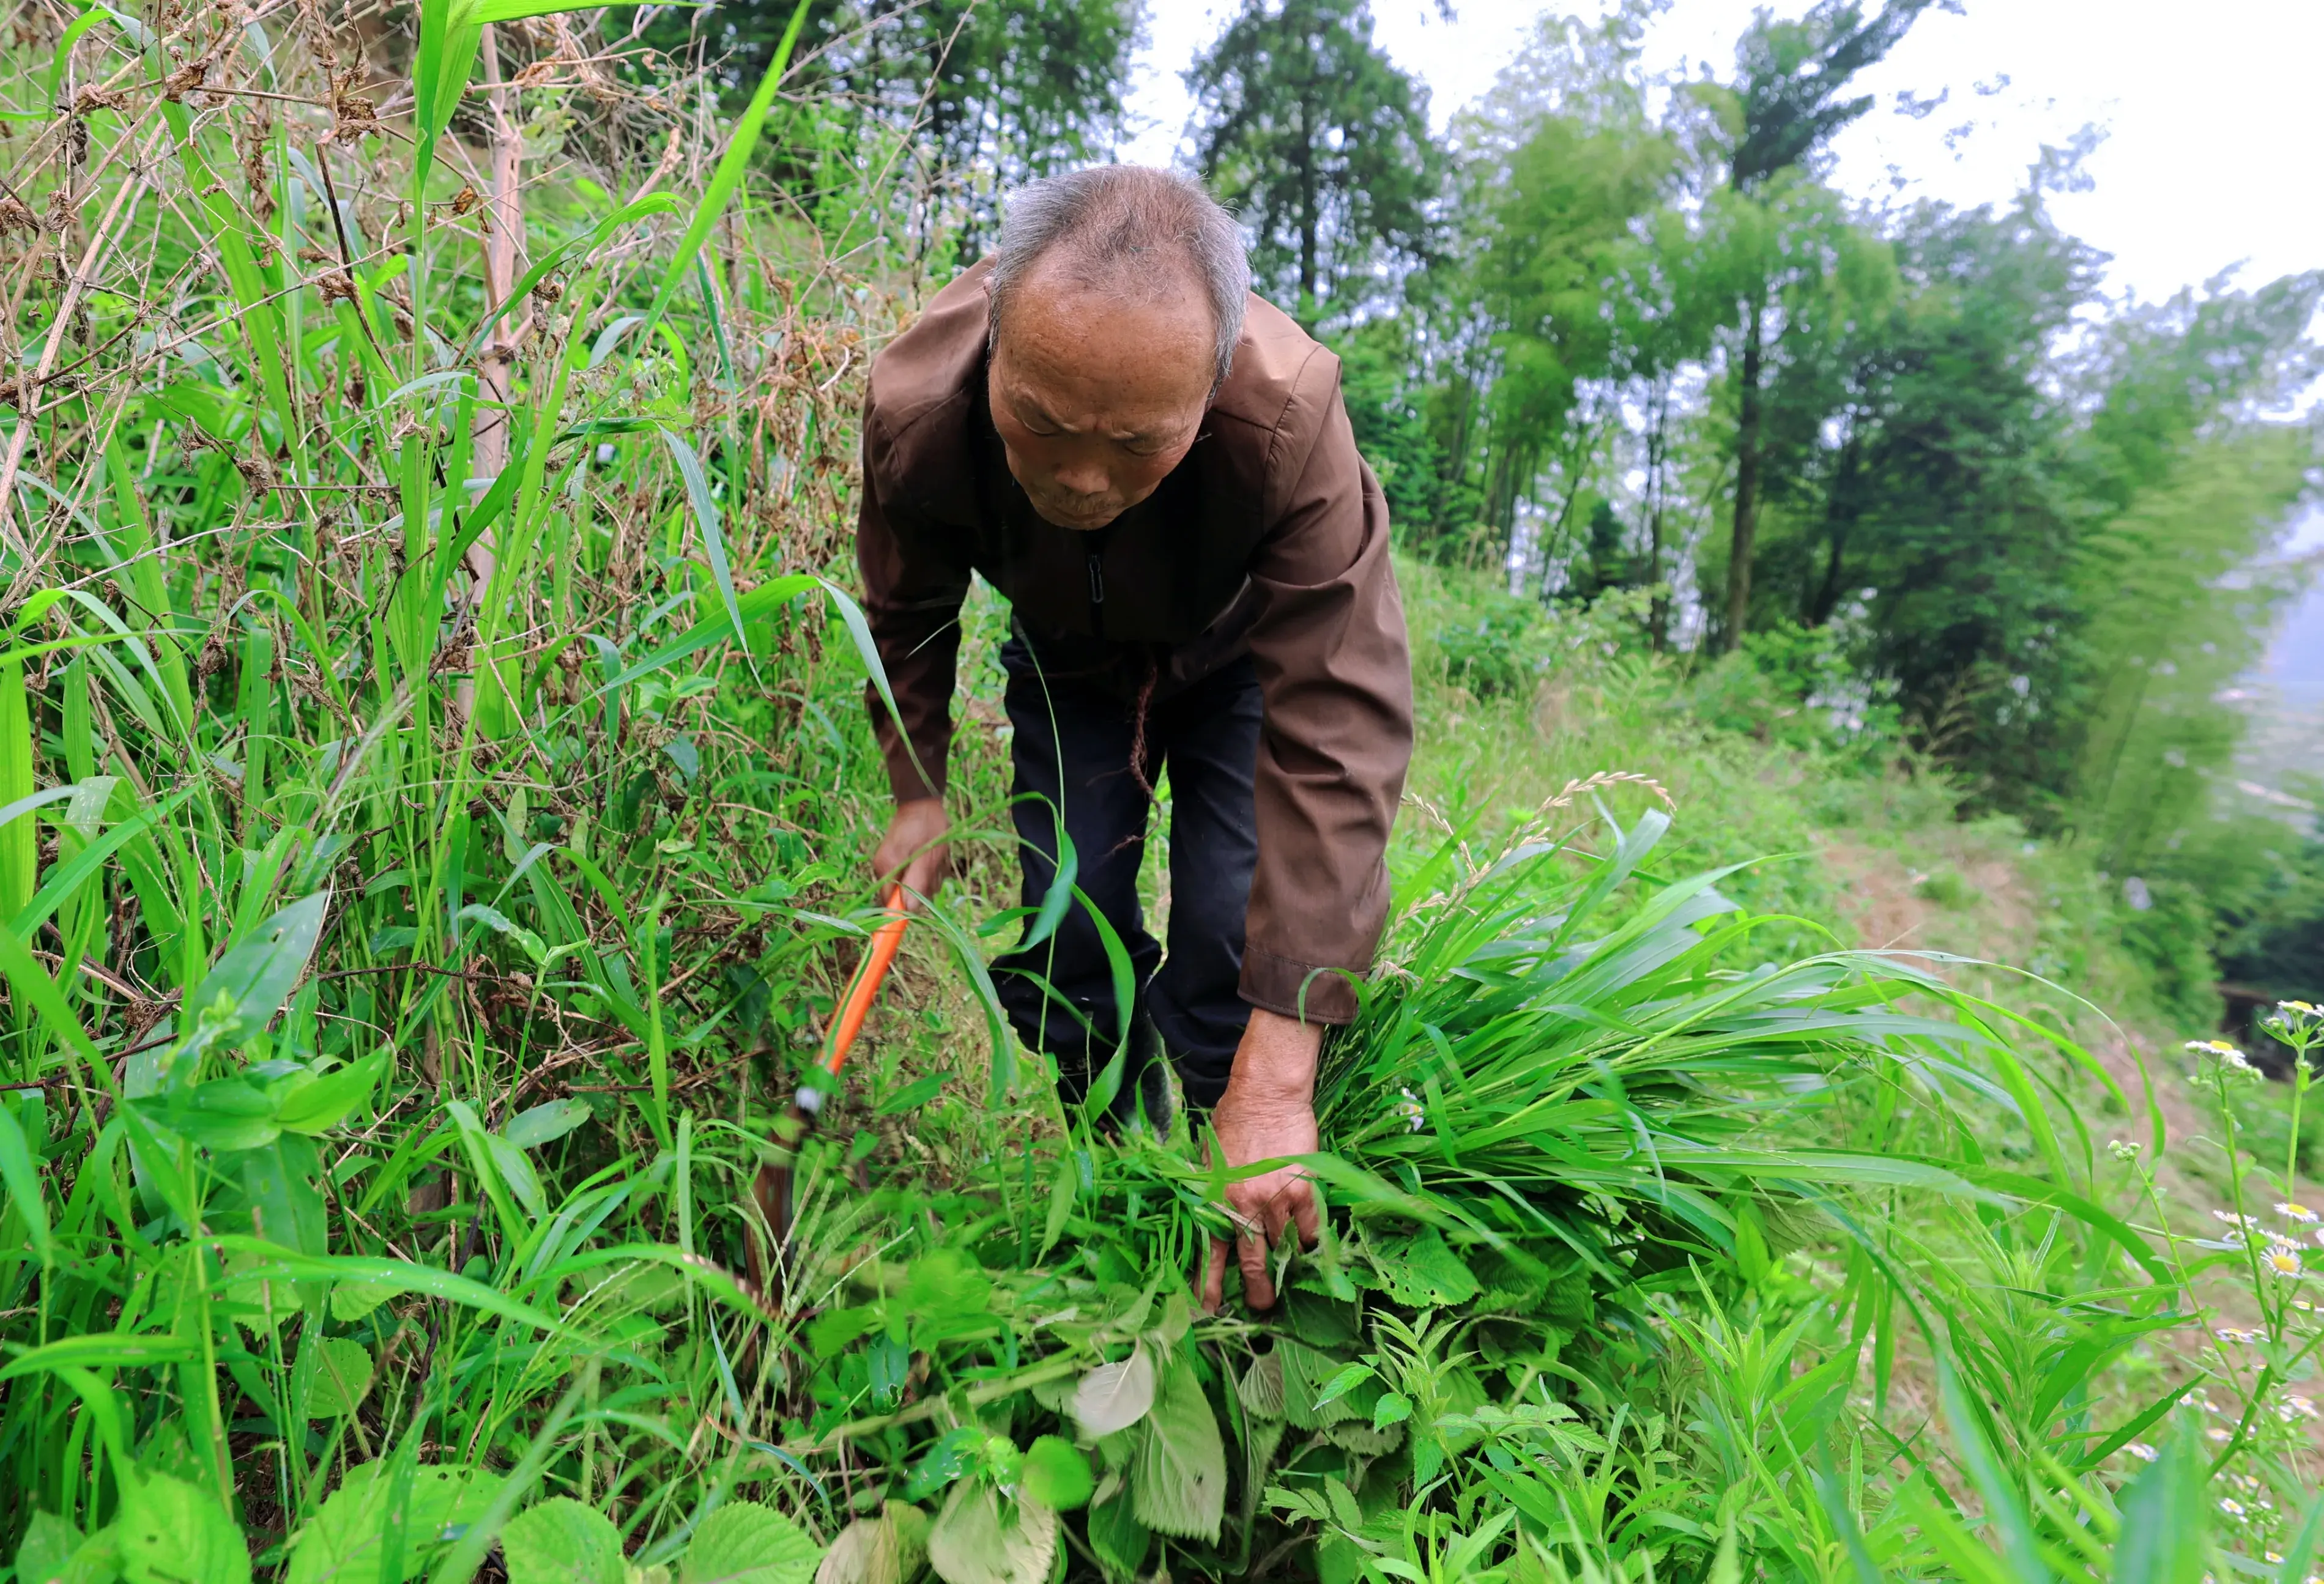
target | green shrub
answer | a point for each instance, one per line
(1496, 647)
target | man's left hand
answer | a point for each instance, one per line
(1267, 1113)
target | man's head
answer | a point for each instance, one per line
(1117, 300)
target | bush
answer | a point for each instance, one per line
(1501, 651)
(1795, 687)
(2167, 925)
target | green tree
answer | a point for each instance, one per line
(1565, 191)
(1314, 136)
(986, 94)
(1784, 107)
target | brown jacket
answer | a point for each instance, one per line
(1270, 539)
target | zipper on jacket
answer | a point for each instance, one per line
(1097, 590)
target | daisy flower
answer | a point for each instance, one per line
(2141, 1450)
(2218, 1432)
(2231, 1507)
(1414, 1114)
(2296, 1212)
(2284, 1261)
(2226, 1217)
(2229, 1333)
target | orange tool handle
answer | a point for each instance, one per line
(865, 988)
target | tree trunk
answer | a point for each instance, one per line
(504, 216)
(1840, 517)
(504, 234)
(1308, 223)
(1746, 479)
(1658, 441)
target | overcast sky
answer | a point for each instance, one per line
(2210, 109)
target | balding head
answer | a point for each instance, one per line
(1130, 231)
(1117, 300)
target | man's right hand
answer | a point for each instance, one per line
(913, 852)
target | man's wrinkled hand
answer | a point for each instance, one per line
(913, 852)
(1268, 1113)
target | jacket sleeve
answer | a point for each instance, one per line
(1335, 674)
(914, 580)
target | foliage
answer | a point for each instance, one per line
(1305, 129)
(429, 836)
(971, 96)
(1659, 350)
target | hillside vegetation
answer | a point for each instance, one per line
(434, 789)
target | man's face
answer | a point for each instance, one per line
(1098, 397)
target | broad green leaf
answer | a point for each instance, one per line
(545, 1124)
(100, 1350)
(1261, 1387)
(1421, 1272)
(1057, 1474)
(974, 1542)
(889, 1547)
(1120, 1539)
(2164, 1515)
(255, 976)
(743, 1543)
(22, 1178)
(340, 1544)
(1114, 1396)
(343, 1375)
(517, 1173)
(499, 923)
(713, 536)
(1306, 1372)
(169, 1533)
(280, 1262)
(562, 1542)
(1347, 1379)
(224, 1116)
(19, 842)
(46, 1551)
(325, 1101)
(354, 1300)
(1179, 1483)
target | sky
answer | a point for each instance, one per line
(2209, 158)
(2209, 162)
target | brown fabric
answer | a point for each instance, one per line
(1271, 538)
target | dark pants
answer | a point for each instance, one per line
(1072, 752)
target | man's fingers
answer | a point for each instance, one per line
(1304, 1215)
(1214, 1277)
(1257, 1286)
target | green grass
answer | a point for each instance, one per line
(407, 954)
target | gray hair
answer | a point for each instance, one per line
(1108, 219)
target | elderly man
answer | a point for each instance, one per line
(1156, 469)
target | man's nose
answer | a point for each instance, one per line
(1083, 477)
